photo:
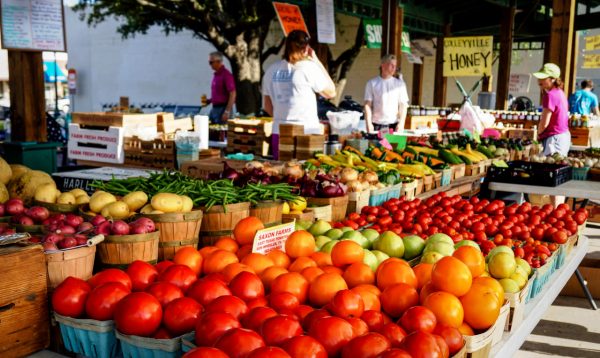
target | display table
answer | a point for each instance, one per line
(465, 185)
(535, 309)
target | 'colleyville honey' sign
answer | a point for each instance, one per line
(468, 56)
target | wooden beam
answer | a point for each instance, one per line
(571, 86)
(27, 97)
(561, 36)
(506, 40)
(440, 83)
(417, 84)
(393, 21)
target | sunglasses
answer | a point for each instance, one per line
(212, 61)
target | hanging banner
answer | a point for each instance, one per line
(519, 83)
(374, 35)
(405, 43)
(290, 17)
(591, 61)
(468, 56)
(325, 21)
(592, 43)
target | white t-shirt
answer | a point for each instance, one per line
(292, 90)
(386, 96)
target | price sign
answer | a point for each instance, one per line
(272, 238)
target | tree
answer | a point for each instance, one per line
(237, 28)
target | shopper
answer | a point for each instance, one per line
(584, 101)
(289, 87)
(553, 127)
(386, 98)
(222, 90)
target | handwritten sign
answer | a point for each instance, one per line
(325, 21)
(33, 25)
(272, 238)
(290, 17)
(592, 43)
(468, 56)
(591, 61)
(519, 83)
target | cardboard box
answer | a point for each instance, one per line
(168, 124)
(590, 270)
(82, 179)
(96, 145)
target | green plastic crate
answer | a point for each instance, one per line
(397, 141)
(35, 155)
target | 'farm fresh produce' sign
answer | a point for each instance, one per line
(468, 56)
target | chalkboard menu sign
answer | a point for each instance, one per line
(34, 25)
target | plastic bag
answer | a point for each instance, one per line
(187, 144)
(343, 122)
(473, 118)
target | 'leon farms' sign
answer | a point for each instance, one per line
(374, 35)
(468, 56)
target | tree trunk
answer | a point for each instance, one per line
(246, 64)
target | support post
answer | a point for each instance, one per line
(561, 37)
(393, 22)
(439, 89)
(506, 39)
(417, 84)
(27, 97)
(571, 86)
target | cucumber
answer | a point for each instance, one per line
(449, 157)
(483, 150)
(410, 150)
(465, 159)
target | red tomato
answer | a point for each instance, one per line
(239, 342)
(278, 329)
(283, 301)
(346, 304)
(110, 275)
(304, 347)
(302, 311)
(353, 216)
(421, 344)
(181, 315)
(418, 318)
(142, 274)
(212, 325)
(180, 275)
(385, 220)
(314, 316)
(373, 319)
(162, 333)
(451, 335)
(164, 292)
(205, 352)
(102, 301)
(138, 314)
(366, 346)
(206, 290)
(247, 286)
(333, 333)
(228, 304)
(394, 333)
(163, 265)
(350, 224)
(359, 327)
(255, 318)
(70, 296)
(268, 352)
(442, 345)
(395, 353)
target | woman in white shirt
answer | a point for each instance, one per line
(289, 87)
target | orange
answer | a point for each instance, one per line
(190, 257)
(370, 300)
(491, 283)
(300, 243)
(451, 275)
(301, 263)
(466, 330)
(471, 257)
(481, 307)
(279, 258)
(397, 298)
(310, 273)
(346, 252)
(446, 307)
(231, 270)
(324, 287)
(332, 269)
(246, 228)
(292, 282)
(243, 251)
(258, 262)
(423, 273)
(206, 250)
(270, 274)
(426, 291)
(321, 258)
(368, 288)
(359, 273)
(218, 260)
(395, 271)
(227, 244)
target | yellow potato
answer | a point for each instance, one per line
(188, 204)
(156, 212)
(78, 192)
(116, 210)
(66, 198)
(167, 202)
(96, 193)
(147, 209)
(46, 193)
(99, 201)
(135, 200)
(82, 199)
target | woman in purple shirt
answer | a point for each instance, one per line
(553, 128)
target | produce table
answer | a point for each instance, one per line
(455, 184)
(535, 309)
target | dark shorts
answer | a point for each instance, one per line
(216, 113)
(379, 127)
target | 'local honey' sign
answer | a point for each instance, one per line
(290, 17)
(468, 56)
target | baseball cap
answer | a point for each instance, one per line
(548, 70)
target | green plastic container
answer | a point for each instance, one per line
(35, 155)
(397, 141)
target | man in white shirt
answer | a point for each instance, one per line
(386, 98)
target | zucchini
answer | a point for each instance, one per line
(466, 160)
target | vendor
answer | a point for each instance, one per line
(386, 98)
(289, 87)
(222, 90)
(584, 101)
(553, 127)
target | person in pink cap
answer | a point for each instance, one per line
(553, 127)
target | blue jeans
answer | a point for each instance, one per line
(216, 113)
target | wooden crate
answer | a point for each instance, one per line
(24, 317)
(98, 145)
(314, 142)
(287, 141)
(203, 167)
(157, 153)
(260, 150)
(131, 123)
(249, 136)
(166, 123)
(249, 126)
(290, 130)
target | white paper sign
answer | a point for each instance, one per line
(325, 22)
(272, 238)
(519, 83)
(33, 25)
(413, 59)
